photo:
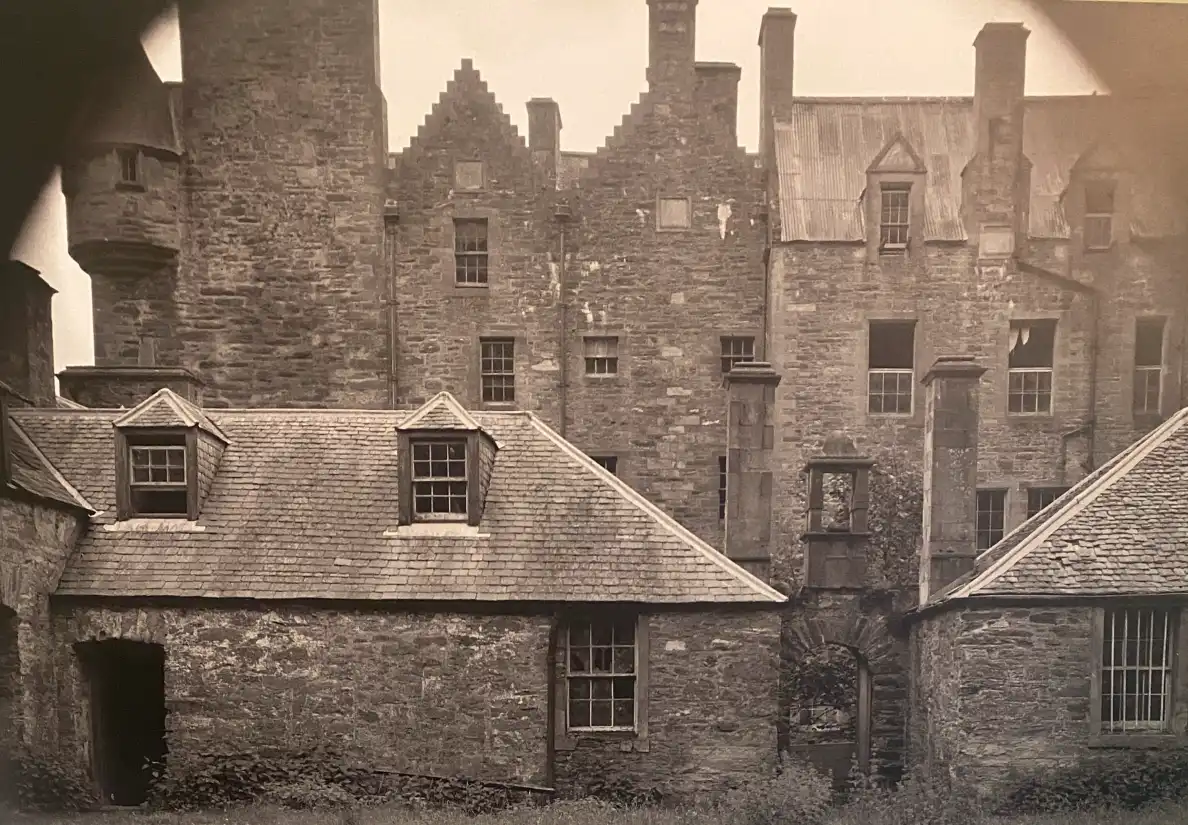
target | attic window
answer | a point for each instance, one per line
(159, 474)
(439, 480)
(129, 166)
(894, 216)
(1099, 215)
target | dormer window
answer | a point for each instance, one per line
(158, 479)
(1099, 215)
(439, 480)
(894, 217)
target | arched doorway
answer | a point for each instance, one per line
(829, 710)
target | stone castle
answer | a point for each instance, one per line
(726, 334)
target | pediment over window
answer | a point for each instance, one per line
(1100, 157)
(445, 463)
(897, 156)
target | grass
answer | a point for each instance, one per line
(561, 814)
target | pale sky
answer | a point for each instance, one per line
(590, 56)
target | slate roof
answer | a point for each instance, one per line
(825, 145)
(1123, 530)
(304, 505)
(165, 408)
(34, 474)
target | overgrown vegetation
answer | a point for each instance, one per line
(34, 781)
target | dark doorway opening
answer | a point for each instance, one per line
(127, 685)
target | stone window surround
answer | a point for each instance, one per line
(916, 411)
(129, 158)
(688, 205)
(492, 338)
(1177, 736)
(404, 469)
(1007, 502)
(474, 380)
(565, 739)
(622, 366)
(129, 437)
(737, 334)
(445, 222)
(1060, 343)
(860, 375)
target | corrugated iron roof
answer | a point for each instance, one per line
(824, 146)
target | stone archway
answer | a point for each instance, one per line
(850, 659)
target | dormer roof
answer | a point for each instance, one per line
(441, 412)
(164, 409)
(897, 156)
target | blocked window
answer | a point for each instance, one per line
(602, 355)
(468, 175)
(890, 367)
(1137, 665)
(129, 165)
(673, 213)
(1040, 497)
(1099, 215)
(991, 517)
(736, 349)
(721, 487)
(1148, 364)
(601, 675)
(894, 216)
(1029, 369)
(439, 480)
(610, 463)
(158, 479)
(497, 367)
(470, 251)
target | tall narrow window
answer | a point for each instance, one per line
(1099, 215)
(1148, 365)
(497, 366)
(1136, 670)
(891, 367)
(158, 482)
(736, 350)
(439, 480)
(1029, 371)
(602, 355)
(991, 517)
(721, 488)
(601, 675)
(1040, 497)
(129, 165)
(470, 251)
(894, 216)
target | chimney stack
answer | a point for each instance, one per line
(750, 443)
(948, 549)
(127, 386)
(997, 184)
(777, 41)
(27, 334)
(716, 94)
(671, 40)
(544, 139)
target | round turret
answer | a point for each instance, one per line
(123, 186)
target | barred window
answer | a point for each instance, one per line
(991, 517)
(1029, 368)
(497, 367)
(602, 355)
(601, 675)
(1136, 670)
(890, 367)
(894, 216)
(439, 480)
(158, 482)
(1148, 365)
(736, 350)
(470, 251)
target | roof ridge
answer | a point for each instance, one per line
(1093, 488)
(78, 497)
(726, 565)
(451, 405)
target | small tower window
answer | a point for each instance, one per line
(1099, 215)
(129, 166)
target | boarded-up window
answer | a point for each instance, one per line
(674, 213)
(468, 175)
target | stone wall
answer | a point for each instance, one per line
(35, 541)
(281, 280)
(1005, 689)
(711, 709)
